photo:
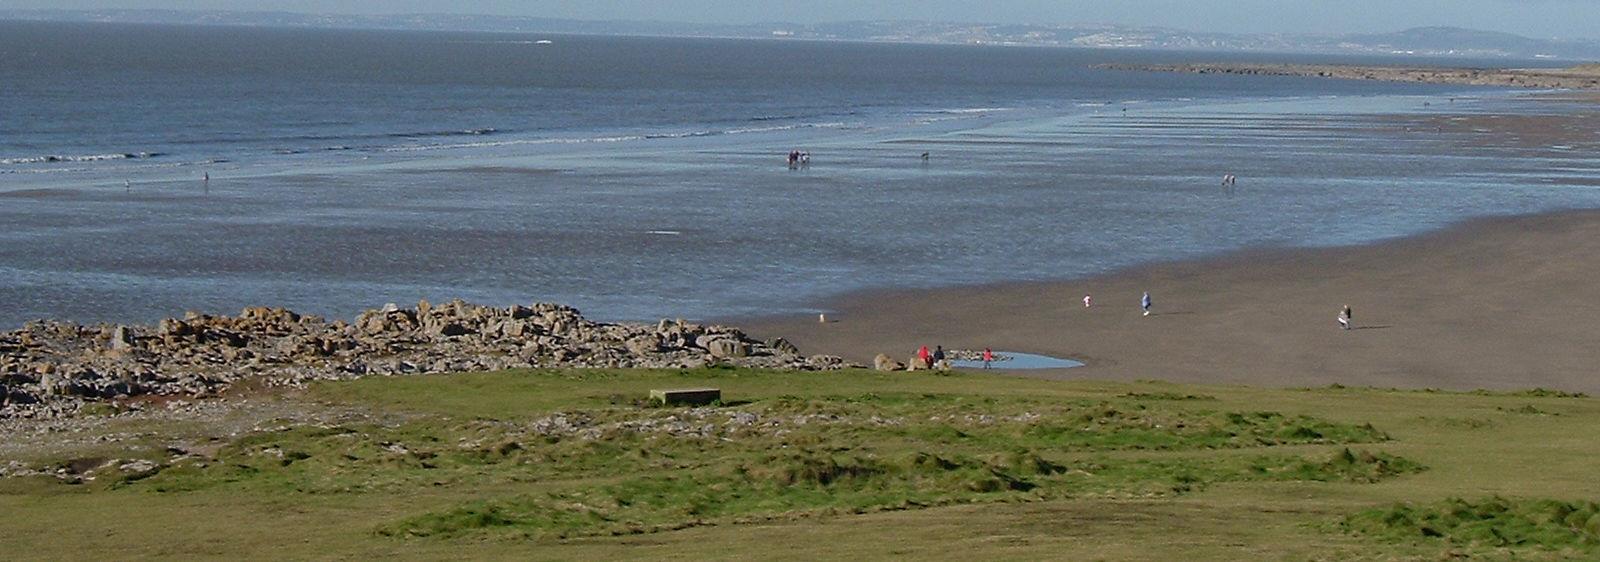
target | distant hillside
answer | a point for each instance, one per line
(1472, 42)
(1425, 41)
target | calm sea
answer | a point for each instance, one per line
(645, 177)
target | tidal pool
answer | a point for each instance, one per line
(1014, 360)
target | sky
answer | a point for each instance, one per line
(1533, 18)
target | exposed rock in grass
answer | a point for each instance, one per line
(50, 369)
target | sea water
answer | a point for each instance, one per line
(638, 178)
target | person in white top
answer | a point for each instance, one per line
(1088, 301)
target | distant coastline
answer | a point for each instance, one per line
(1578, 77)
(1437, 41)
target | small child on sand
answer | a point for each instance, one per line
(1087, 301)
(1345, 317)
(1145, 303)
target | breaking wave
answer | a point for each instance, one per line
(611, 139)
(81, 158)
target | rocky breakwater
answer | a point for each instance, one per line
(51, 369)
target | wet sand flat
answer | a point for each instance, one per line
(1578, 77)
(1493, 303)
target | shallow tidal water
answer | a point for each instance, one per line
(646, 178)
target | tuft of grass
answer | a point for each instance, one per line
(1496, 522)
(1167, 396)
(1527, 410)
(1528, 393)
(99, 409)
(1457, 422)
(1532, 393)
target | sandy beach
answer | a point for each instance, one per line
(1498, 303)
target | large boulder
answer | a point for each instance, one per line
(121, 339)
(782, 346)
(451, 329)
(174, 327)
(644, 345)
(371, 324)
(885, 363)
(727, 348)
(916, 363)
(16, 395)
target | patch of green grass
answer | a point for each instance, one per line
(610, 466)
(1496, 523)
(620, 441)
(798, 483)
(1109, 426)
(503, 465)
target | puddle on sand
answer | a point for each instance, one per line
(1013, 360)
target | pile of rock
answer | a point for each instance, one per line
(50, 369)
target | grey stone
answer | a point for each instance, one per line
(121, 339)
(728, 348)
(783, 347)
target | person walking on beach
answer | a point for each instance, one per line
(1145, 303)
(1088, 301)
(988, 357)
(1345, 317)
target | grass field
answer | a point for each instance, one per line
(576, 465)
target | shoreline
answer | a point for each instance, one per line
(1583, 77)
(1491, 303)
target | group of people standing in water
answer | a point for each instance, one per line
(798, 158)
